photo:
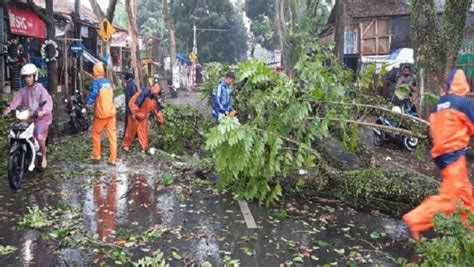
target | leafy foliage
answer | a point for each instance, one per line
(183, 132)
(276, 137)
(228, 46)
(455, 244)
(282, 122)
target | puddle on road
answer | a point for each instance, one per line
(203, 226)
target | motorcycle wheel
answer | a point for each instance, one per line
(378, 140)
(84, 123)
(75, 125)
(16, 169)
(410, 143)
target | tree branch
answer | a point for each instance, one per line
(377, 126)
(97, 10)
(111, 10)
(401, 115)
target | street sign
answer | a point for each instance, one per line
(105, 30)
(193, 57)
(77, 48)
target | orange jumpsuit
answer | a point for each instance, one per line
(139, 126)
(103, 95)
(451, 129)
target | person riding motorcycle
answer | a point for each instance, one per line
(30, 97)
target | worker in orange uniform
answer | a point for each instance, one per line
(451, 128)
(141, 104)
(103, 95)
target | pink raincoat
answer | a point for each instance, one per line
(30, 97)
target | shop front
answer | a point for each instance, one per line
(26, 33)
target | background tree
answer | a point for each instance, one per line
(171, 33)
(227, 46)
(436, 44)
(286, 24)
(131, 6)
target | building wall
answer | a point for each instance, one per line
(400, 30)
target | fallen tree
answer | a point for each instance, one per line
(283, 125)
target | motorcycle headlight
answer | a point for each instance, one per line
(84, 110)
(65, 100)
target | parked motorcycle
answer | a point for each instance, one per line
(381, 137)
(24, 148)
(77, 111)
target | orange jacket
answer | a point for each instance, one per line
(102, 93)
(149, 105)
(452, 121)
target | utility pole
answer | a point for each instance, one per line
(194, 18)
(193, 60)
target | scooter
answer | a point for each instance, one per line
(77, 111)
(381, 137)
(24, 148)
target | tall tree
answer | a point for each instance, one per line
(171, 33)
(229, 45)
(132, 22)
(436, 45)
(286, 24)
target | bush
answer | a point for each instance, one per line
(183, 132)
(455, 244)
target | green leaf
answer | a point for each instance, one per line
(248, 251)
(402, 91)
(375, 235)
(176, 255)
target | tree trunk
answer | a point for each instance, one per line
(132, 26)
(106, 46)
(456, 12)
(171, 32)
(51, 35)
(340, 25)
(436, 48)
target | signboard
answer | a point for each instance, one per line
(105, 30)
(84, 31)
(278, 56)
(26, 23)
(76, 48)
(176, 77)
(193, 57)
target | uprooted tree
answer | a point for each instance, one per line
(285, 126)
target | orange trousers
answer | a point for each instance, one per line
(455, 188)
(110, 129)
(136, 128)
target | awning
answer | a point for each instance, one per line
(23, 22)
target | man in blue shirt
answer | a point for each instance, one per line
(222, 98)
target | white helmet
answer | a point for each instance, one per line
(396, 109)
(29, 69)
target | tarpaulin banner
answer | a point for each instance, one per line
(23, 22)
